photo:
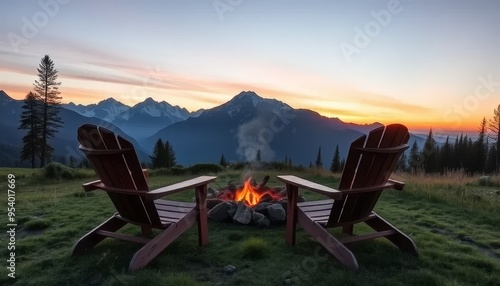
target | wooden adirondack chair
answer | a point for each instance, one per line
(115, 161)
(370, 162)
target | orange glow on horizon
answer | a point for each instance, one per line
(414, 117)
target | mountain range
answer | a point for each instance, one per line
(143, 119)
(239, 128)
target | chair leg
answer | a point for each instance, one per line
(348, 229)
(90, 239)
(331, 244)
(202, 217)
(291, 214)
(400, 239)
(149, 251)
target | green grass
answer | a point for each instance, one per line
(454, 221)
(253, 248)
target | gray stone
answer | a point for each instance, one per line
(282, 193)
(283, 202)
(261, 208)
(229, 269)
(212, 203)
(220, 211)
(243, 214)
(287, 282)
(260, 220)
(232, 209)
(276, 213)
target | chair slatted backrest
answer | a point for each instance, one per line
(116, 164)
(370, 162)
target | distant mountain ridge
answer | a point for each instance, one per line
(107, 109)
(248, 123)
(64, 143)
(239, 128)
(143, 119)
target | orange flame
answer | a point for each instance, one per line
(250, 196)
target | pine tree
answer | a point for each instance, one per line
(460, 152)
(319, 161)
(223, 161)
(257, 157)
(480, 149)
(335, 166)
(491, 160)
(159, 157)
(467, 154)
(30, 120)
(170, 155)
(47, 91)
(429, 154)
(494, 129)
(414, 161)
(446, 163)
(402, 163)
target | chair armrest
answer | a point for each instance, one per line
(168, 190)
(311, 186)
(397, 185)
(90, 186)
(99, 185)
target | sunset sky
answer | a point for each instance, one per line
(421, 63)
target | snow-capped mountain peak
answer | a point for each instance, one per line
(4, 98)
(249, 99)
(247, 96)
(107, 109)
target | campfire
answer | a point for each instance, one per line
(249, 203)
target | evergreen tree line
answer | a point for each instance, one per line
(337, 164)
(40, 115)
(473, 156)
(478, 156)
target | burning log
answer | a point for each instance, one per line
(212, 193)
(231, 187)
(262, 183)
(266, 198)
(283, 193)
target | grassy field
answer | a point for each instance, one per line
(454, 220)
